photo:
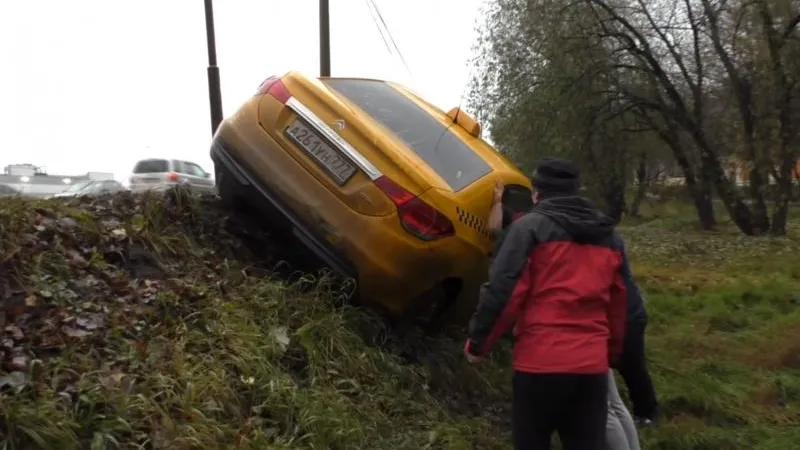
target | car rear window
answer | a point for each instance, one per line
(151, 166)
(439, 147)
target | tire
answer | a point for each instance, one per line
(427, 310)
(223, 189)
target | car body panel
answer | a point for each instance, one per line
(359, 192)
(356, 221)
(91, 188)
(164, 173)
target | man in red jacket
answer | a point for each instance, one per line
(557, 277)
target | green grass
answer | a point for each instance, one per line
(143, 322)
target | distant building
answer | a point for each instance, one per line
(34, 181)
(738, 171)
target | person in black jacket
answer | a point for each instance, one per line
(632, 364)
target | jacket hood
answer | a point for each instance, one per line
(578, 217)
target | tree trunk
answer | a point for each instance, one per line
(700, 191)
(615, 202)
(641, 188)
(759, 221)
(784, 190)
(705, 211)
(797, 180)
(713, 172)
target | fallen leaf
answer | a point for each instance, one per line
(67, 222)
(75, 333)
(76, 259)
(119, 232)
(19, 362)
(90, 323)
(15, 380)
(15, 332)
(31, 301)
(111, 223)
(113, 380)
(280, 334)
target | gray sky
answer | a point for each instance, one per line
(97, 84)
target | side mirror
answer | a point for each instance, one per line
(465, 121)
(207, 175)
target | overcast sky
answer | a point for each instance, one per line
(94, 85)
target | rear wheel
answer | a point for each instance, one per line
(224, 188)
(428, 310)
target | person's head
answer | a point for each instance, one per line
(554, 177)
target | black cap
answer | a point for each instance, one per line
(556, 176)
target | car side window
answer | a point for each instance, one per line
(195, 170)
(180, 167)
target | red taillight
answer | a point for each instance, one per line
(172, 176)
(274, 87)
(417, 217)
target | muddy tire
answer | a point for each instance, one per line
(427, 310)
(224, 189)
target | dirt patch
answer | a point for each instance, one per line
(780, 352)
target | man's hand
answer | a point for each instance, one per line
(472, 359)
(499, 186)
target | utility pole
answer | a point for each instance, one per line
(324, 39)
(214, 90)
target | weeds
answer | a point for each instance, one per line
(145, 322)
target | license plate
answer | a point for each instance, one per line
(323, 153)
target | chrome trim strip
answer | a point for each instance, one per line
(352, 154)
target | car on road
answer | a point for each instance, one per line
(161, 174)
(7, 191)
(91, 188)
(381, 185)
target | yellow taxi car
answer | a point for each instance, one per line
(381, 185)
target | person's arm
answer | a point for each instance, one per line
(508, 285)
(618, 310)
(498, 216)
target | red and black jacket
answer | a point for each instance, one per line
(557, 277)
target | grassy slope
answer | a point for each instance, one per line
(142, 323)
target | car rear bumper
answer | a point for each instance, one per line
(160, 186)
(238, 173)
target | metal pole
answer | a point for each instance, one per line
(324, 39)
(214, 90)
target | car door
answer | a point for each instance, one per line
(185, 177)
(200, 179)
(113, 186)
(107, 187)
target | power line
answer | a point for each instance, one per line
(389, 33)
(380, 30)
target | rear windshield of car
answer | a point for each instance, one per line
(151, 166)
(439, 147)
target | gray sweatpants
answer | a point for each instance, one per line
(620, 430)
